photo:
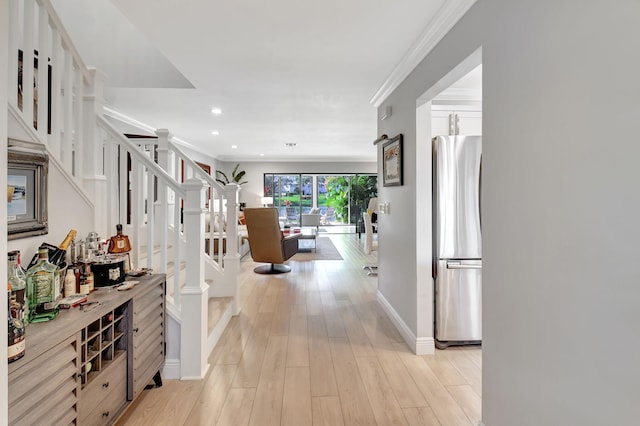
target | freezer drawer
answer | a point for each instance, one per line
(458, 301)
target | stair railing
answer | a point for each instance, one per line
(41, 52)
(222, 203)
(152, 189)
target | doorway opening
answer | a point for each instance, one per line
(452, 106)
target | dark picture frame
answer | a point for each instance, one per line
(392, 162)
(27, 206)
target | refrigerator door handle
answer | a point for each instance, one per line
(461, 264)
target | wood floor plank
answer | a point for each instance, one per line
(327, 411)
(385, 406)
(154, 409)
(447, 373)
(467, 367)
(249, 367)
(420, 416)
(443, 405)
(356, 409)
(209, 404)
(355, 332)
(298, 348)
(232, 345)
(323, 381)
(280, 324)
(335, 327)
(314, 303)
(270, 297)
(400, 381)
(296, 402)
(469, 400)
(267, 405)
(237, 407)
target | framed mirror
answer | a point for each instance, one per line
(27, 175)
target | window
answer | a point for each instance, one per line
(294, 194)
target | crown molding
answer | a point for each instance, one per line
(116, 115)
(110, 112)
(446, 17)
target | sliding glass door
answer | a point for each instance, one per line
(340, 198)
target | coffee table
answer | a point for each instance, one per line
(305, 234)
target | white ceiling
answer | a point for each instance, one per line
(281, 71)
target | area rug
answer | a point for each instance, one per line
(325, 250)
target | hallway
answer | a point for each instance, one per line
(314, 347)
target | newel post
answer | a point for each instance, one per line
(232, 256)
(194, 294)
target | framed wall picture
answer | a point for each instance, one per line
(392, 162)
(27, 174)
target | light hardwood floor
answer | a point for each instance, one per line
(312, 347)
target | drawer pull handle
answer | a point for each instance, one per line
(105, 385)
(105, 414)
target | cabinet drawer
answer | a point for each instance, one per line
(105, 394)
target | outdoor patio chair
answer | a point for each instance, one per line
(292, 216)
(267, 242)
(328, 214)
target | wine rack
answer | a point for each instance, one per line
(102, 342)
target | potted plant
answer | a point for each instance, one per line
(236, 176)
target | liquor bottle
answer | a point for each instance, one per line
(18, 288)
(20, 271)
(119, 243)
(43, 288)
(70, 282)
(84, 286)
(89, 278)
(15, 328)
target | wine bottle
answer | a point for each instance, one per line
(59, 253)
(15, 328)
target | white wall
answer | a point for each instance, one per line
(560, 207)
(254, 188)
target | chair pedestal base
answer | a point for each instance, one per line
(272, 269)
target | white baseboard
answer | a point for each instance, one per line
(419, 345)
(171, 369)
(219, 328)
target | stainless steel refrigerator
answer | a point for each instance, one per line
(457, 240)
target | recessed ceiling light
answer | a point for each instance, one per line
(216, 111)
(261, 155)
(215, 132)
(234, 146)
(290, 144)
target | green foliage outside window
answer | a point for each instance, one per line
(357, 190)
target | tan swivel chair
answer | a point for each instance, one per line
(266, 241)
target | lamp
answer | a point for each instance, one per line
(382, 138)
(266, 201)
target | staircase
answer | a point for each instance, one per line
(150, 185)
